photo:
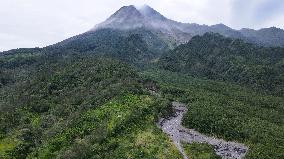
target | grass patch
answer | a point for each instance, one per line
(199, 151)
(7, 144)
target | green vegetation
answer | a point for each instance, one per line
(199, 151)
(78, 106)
(216, 57)
(134, 47)
(122, 128)
(227, 111)
(85, 98)
(7, 144)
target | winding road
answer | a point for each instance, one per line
(172, 126)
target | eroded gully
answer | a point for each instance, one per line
(172, 126)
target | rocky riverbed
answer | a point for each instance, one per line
(172, 126)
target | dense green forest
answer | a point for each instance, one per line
(88, 96)
(78, 107)
(228, 111)
(216, 57)
(137, 47)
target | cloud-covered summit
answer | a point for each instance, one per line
(131, 17)
(33, 23)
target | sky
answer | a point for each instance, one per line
(39, 23)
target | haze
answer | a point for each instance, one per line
(38, 23)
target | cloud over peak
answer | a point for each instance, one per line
(32, 23)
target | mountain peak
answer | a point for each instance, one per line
(131, 17)
(127, 17)
(145, 17)
(126, 11)
(144, 7)
(220, 26)
(128, 8)
(149, 12)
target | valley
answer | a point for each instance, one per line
(140, 85)
(182, 136)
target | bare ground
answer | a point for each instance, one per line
(178, 134)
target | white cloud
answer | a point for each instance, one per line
(256, 13)
(31, 23)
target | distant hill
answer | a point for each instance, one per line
(216, 57)
(100, 94)
(137, 46)
(129, 18)
(269, 36)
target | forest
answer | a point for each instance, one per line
(88, 96)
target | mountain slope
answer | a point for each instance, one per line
(228, 111)
(85, 98)
(129, 17)
(219, 58)
(78, 106)
(138, 46)
(269, 36)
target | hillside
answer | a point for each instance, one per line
(226, 110)
(131, 18)
(268, 36)
(215, 57)
(77, 106)
(69, 102)
(134, 46)
(102, 94)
